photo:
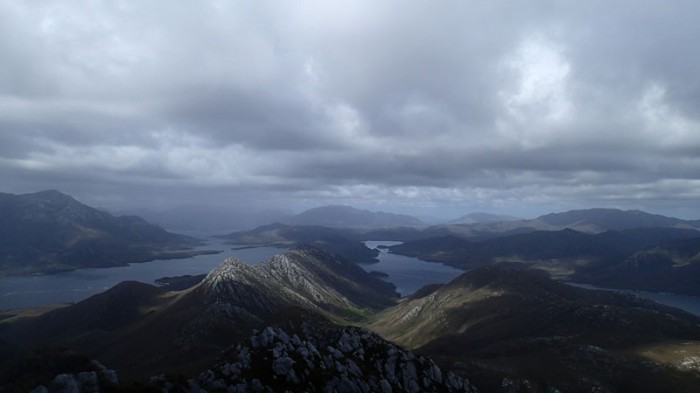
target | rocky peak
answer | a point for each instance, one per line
(230, 270)
(321, 358)
(304, 277)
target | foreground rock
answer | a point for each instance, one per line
(320, 357)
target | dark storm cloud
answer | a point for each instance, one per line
(503, 105)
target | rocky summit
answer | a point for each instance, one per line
(319, 357)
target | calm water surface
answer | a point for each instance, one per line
(408, 273)
(688, 303)
(28, 291)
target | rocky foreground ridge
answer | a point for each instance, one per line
(320, 358)
(307, 354)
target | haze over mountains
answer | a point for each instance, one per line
(349, 217)
(473, 218)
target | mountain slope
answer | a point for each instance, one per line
(493, 322)
(49, 231)
(349, 217)
(184, 331)
(304, 276)
(672, 266)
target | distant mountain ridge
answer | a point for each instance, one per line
(595, 220)
(655, 259)
(474, 218)
(335, 240)
(210, 218)
(349, 217)
(51, 231)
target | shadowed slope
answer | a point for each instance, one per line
(496, 321)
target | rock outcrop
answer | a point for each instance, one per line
(321, 358)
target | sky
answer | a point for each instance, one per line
(432, 108)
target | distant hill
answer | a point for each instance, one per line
(49, 231)
(211, 219)
(481, 226)
(335, 240)
(669, 266)
(540, 245)
(598, 220)
(662, 259)
(349, 217)
(591, 221)
(496, 324)
(473, 218)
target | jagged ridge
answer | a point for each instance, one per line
(322, 358)
(304, 276)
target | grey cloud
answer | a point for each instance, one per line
(544, 101)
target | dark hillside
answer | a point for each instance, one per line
(50, 231)
(496, 324)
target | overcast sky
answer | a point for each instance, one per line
(435, 107)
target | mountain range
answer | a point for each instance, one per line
(595, 220)
(212, 219)
(50, 231)
(655, 259)
(336, 240)
(350, 217)
(473, 218)
(503, 326)
(278, 324)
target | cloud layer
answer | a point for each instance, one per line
(392, 105)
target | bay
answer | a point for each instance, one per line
(76, 285)
(408, 274)
(687, 303)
